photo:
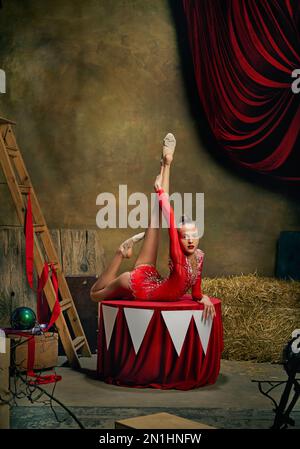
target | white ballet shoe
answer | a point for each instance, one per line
(169, 144)
(138, 237)
(126, 246)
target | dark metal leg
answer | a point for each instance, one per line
(293, 402)
(282, 417)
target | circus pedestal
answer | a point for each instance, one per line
(159, 344)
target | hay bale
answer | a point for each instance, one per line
(259, 315)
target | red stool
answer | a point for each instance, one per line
(159, 344)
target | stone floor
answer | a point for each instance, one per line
(233, 401)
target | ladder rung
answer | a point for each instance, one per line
(39, 228)
(78, 342)
(24, 189)
(12, 153)
(65, 304)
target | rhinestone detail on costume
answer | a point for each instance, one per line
(192, 276)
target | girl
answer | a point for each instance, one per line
(186, 260)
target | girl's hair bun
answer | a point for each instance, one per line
(185, 219)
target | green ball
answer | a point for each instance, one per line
(23, 318)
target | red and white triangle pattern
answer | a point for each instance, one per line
(177, 323)
(138, 321)
(203, 327)
(109, 318)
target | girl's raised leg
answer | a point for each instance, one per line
(111, 286)
(149, 249)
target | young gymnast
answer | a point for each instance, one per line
(185, 263)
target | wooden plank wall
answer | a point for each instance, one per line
(80, 252)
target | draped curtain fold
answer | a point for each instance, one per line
(244, 53)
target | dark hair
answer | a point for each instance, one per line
(185, 219)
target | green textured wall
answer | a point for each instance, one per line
(94, 86)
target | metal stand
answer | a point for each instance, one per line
(284, 408)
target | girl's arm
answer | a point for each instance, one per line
(196, 290)
(197, 295)
(164, 204)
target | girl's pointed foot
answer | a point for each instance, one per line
(169, 144)
(127, 245)
(138, 237)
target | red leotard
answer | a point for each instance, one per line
(145, 281)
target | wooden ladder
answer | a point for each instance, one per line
(72, 335)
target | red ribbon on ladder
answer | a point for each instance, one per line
(56, 308)
(29, 242)
(42, 307)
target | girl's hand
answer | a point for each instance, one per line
(209, 308)
(158, 181)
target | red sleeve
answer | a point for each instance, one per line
(196, 289)
(164, 203)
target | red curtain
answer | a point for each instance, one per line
(244, 53)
